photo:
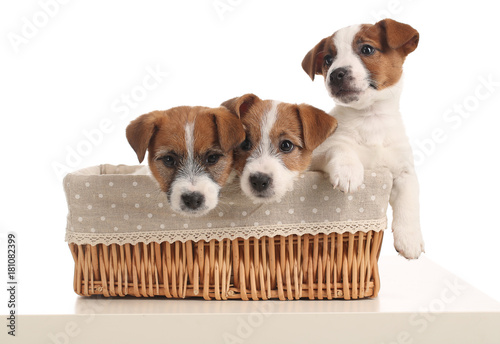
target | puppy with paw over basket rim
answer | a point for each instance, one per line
(362, 67)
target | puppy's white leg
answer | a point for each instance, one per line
(406, 215)
(345, 169)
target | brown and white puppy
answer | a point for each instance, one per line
(190, 153)
(280, 139)
(362, 66)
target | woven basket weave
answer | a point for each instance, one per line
(312, 266)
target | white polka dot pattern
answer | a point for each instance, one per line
(110, 204)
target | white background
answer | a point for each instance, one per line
(72, 69)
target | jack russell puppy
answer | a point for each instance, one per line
(280, 139)
(190, 153)
(362, 66)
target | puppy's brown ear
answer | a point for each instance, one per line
(317, 125)
(229, 129)
(140, 131)
(399, 35)
(240, 105)
(313, 61)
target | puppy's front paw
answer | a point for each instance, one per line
(348, 177)
(408, 242)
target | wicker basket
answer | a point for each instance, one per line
(335, 263)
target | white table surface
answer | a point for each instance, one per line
(419, 302)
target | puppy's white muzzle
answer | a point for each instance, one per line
(194, 196)
(266, 179)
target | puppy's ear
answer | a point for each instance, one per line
(313, 61)
(240, 105)
(317, 125)
(399, 35)
(229, 129)
(141, 130)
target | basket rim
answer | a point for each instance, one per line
(232, 233)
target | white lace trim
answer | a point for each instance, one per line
(227, 233)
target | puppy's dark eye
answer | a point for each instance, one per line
(328, 59)
(212, 159)
(246, 145)
(286, 146)
(367, 50)
(169, 161)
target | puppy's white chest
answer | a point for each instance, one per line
(375, 137)
(371, 132)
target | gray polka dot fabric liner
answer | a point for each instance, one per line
(118, 205)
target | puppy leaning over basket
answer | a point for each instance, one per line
(190, 153)
(280, 139)
(362, 66)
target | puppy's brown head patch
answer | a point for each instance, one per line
(314, 62)
(392, 42)
(184, 138)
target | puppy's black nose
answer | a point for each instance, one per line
(337, 75)
(260, 181)
(193, 200)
